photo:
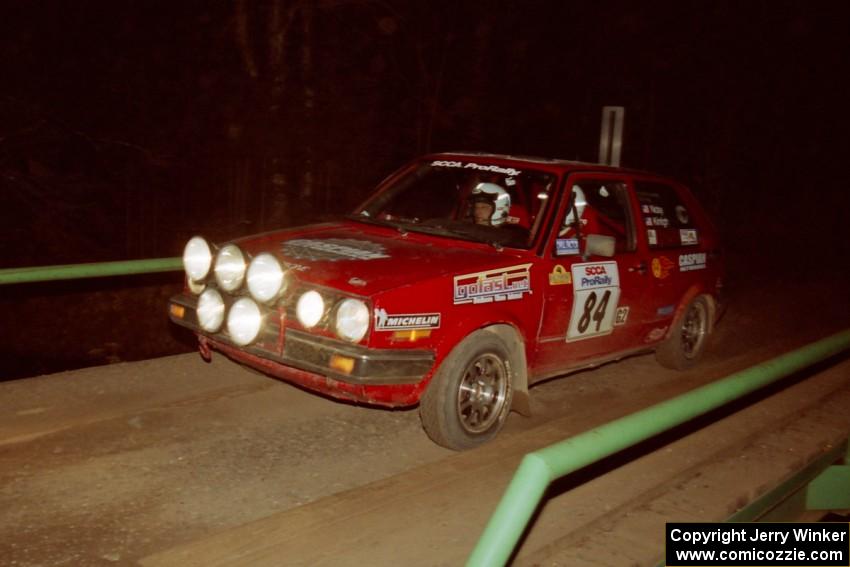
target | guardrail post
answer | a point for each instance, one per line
(513, 512)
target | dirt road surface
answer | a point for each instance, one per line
(107, 465)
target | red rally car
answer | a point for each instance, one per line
(462, 281)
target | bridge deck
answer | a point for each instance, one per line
(433, 514)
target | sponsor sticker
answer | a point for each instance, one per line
(656, 210)
(655, 334)
(690, 262)
(501, 284)
(622, 316)
(296, 267)
(682, 214)
(666, 310)
(688, 236)
(560, 276)
(566, 247)
(477, 166)
(596, 275)
(333, 249)
(399, 322)
(596, 291)
(662, 266)
(651, 236)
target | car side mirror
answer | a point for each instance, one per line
(599, 245)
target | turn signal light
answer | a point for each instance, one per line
(413, 335)
(342, 364)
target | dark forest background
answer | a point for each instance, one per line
(128, 126)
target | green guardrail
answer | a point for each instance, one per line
(540, 468)
(94, 270)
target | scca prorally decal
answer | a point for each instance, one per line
(596, 275)
(690, 262)
(333, 249)
(596, 291)
(477, 166)
(501, 284)
(389, 322)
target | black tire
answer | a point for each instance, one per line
(468, 400)
(688, 337)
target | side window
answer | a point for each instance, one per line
(600, 207)
(667, 221)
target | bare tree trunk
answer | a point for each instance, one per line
(243, 40)
(308, 99)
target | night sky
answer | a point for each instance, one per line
(128, 126)
(251, 114)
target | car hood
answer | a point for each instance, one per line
(364, 260)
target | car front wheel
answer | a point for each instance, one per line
(468, 399)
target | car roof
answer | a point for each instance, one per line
(561, 165)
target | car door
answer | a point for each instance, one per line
(594, 301)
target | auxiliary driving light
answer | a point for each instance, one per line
(244, 321)
(197, 258)
(310, 308)
(210, 311)
(265, 277)
(230, 267)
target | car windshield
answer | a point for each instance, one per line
(467, 199)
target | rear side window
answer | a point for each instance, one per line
(600, 206)
(666, 219)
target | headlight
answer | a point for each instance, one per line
(265, 277)
(310, 308)
(230, 267)
(197, 258)
(352, 320)
(210, 311)
(244, 321)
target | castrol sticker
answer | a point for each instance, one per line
(596, 291)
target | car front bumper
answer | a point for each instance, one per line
(314, 358)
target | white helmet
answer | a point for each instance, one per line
(496, 196)
(579, 203)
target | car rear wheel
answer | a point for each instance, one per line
(687, 339)
(469, 397)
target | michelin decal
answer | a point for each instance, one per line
(403, 322)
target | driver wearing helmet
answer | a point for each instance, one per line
(490, 204)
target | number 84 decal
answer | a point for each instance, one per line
(596, 291)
